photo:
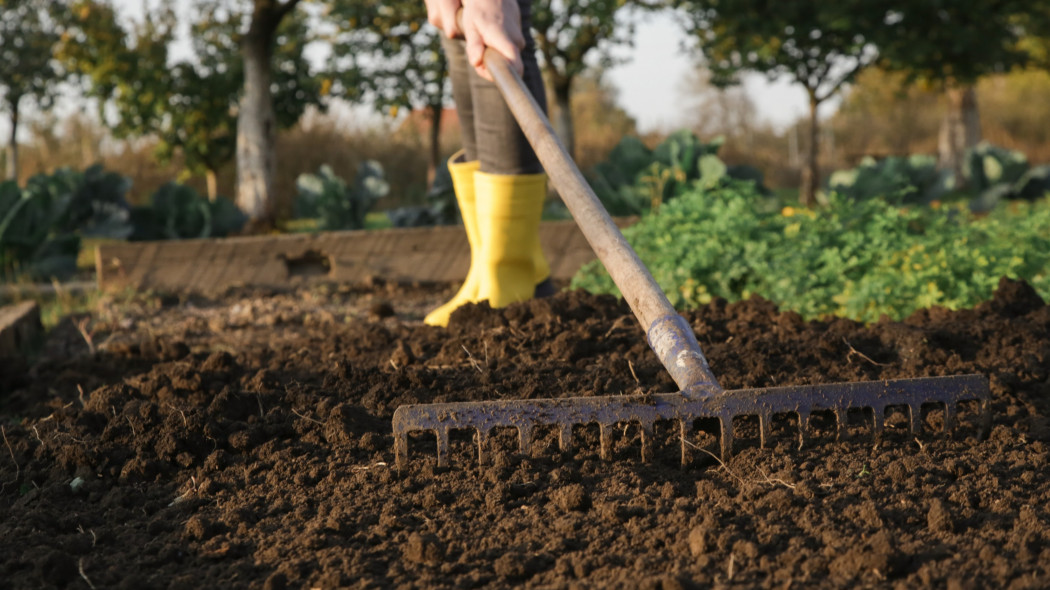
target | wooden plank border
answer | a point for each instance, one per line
(20, 328)
(209, 266)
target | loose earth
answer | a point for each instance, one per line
(245, 441)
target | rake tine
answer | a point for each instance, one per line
(727, 436)
(565, 438)
(442, 446)
(647, 441)
(765, 429)
(685, 429)
(605, 435)
(915, 413)
(803, 425)
(525, 439)
(878, 414)
(986, 418)
(483, 439)
(400, 448)
(950, 418)
(841, 421)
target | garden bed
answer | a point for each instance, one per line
(245, 441)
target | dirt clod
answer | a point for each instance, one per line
(939, 517)
(572, 497)
(698, 540)
(424, 549)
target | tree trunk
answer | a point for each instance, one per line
(256, 124)
(213, 184)
(12, 142)
(960, 130)
(433, 161)
(807, 193)
(563, 118)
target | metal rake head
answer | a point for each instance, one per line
(647, 410)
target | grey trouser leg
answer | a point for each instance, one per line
(490, 132)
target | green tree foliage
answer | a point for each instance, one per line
(566, 33)
(1034, 25)
(953, 44)
(189, 105)
(819, 45)
(28, 71)
(386, 54)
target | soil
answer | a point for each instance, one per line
(245, 441)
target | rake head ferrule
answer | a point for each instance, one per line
(674, 342)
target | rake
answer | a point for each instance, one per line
(672, 339)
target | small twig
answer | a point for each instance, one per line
(766, 479)
(258, 398)
(854, 351)
(619, 323)
(132, 424)
(630, 366)
(776, 480)
(18, 468)
(80, 396)
(37, 433)
(82, 328)
(94, 537)
(731, 569)
(307, 418)
(360, 468)
(80, 567)
(716, 458)
(182, 497)
(470, 357)
(922, 447)
(185, 422)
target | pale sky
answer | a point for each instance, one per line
(649, 84)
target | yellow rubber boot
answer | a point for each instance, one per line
(509, 209)
(463, 184)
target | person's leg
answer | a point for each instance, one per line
(511, 204)
(462, 167)
(462, 172)
(493, 141)
(502, 147)
(459, 71)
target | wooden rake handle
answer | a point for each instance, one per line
(669, 334)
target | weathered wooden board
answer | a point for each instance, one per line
(20, 328)
(415, 254)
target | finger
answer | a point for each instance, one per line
(506, 47)
(476, 55)
(448, 18)
(434, 17)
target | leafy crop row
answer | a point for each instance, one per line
(990, 175)
(41, 224)
(857, 259)
(635, 180)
